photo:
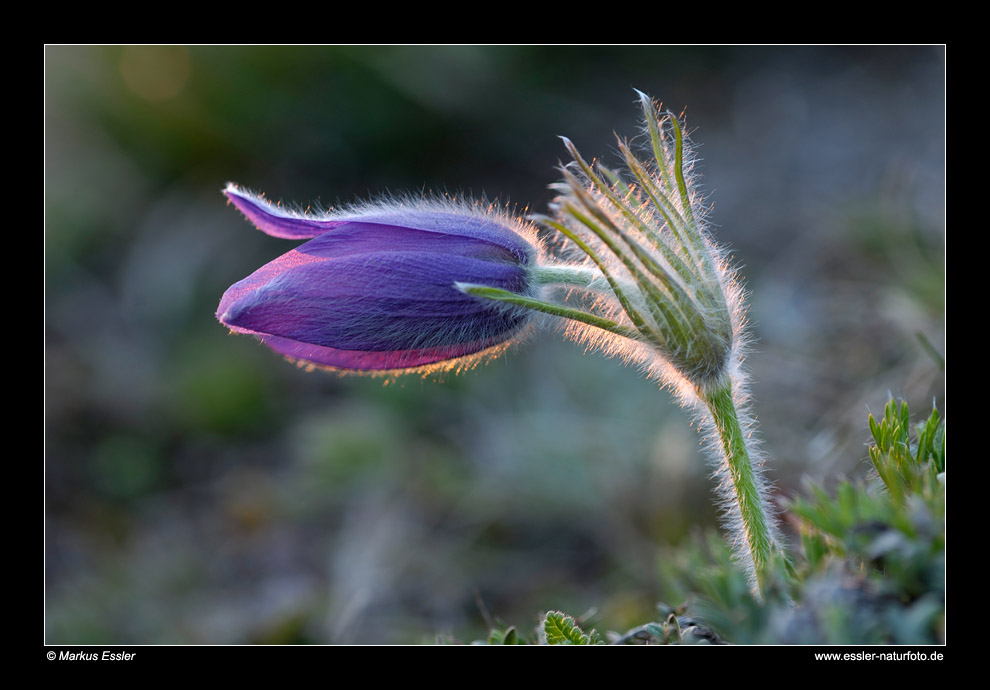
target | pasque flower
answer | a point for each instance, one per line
(375, 288)
(407, 285)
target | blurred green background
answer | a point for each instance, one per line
(201, 490)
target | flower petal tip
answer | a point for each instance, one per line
(273, 219)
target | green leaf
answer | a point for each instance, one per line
(561, 629)
(673, 630)
(815, 547)
(655, 630)
(938, 450)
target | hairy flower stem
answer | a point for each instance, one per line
(746, 487)
(566, 275)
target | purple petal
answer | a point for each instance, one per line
(453, 225)
(278, 222)
(343, 300)
(274, 220)
(372, 238)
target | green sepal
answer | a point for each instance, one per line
(501, 295)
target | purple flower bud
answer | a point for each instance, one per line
(374, 289)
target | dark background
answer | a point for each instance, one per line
(198, 489)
